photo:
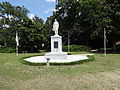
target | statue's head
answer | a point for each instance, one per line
(55, 20)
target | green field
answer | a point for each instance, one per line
(101, 74)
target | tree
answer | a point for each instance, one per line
(48, 31)
(77, 18)
(85, 20)
(31, 32)
(5, 12)
(10, 16)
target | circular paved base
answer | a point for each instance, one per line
(70, 58)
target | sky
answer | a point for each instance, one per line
(41, 8)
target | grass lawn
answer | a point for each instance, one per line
(101, 74)
(73, 53)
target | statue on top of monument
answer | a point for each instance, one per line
(55, 27)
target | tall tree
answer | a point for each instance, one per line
(85, 20)
(31, 32)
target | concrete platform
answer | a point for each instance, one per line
(70, 58)
(56, 56)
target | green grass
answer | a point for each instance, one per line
(73, 53)
(101, 74)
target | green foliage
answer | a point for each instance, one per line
(48, 32)
(11, 16)
(117, 47)
(76, 48)
(80, 52)
(81, 23)
(31, 32)
(7, 50)
(85, 20)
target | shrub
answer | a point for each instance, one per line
(6, 50)
(76, 48)
(118, 47)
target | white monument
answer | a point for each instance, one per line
(56, 45)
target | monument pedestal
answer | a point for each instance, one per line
(56, 49)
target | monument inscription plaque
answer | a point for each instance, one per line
(55, 44)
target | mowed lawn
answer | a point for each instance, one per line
(101, 74)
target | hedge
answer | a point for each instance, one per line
(76, 48)
(6, 50)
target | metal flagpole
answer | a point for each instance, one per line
(105, 42)
(17, 43)
(16, 50)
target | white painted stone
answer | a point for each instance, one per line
(56, 38)
(55, 27)
(56, 45)
(70, 58)
(56, 53)
(56, 56)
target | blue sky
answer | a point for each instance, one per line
(41, 8)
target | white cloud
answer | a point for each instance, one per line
(49, 10)
(31, 16)
(50, 0)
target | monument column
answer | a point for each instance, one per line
(56, 45)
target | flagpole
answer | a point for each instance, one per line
(104, 42)
(17, 43)
(17, 50)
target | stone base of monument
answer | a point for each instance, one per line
(56, 56)
(70, 58)
(56, 49)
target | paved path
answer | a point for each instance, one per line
(70, 58)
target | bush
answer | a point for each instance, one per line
(76, 48)
(6, 50)
(118, 47)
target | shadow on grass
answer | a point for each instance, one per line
(91, 58)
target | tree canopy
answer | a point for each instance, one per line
(14, 18)
(82, 22)
(85, 20)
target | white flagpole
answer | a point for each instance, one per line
(17, 43)
(16, 50)
(105, 42)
